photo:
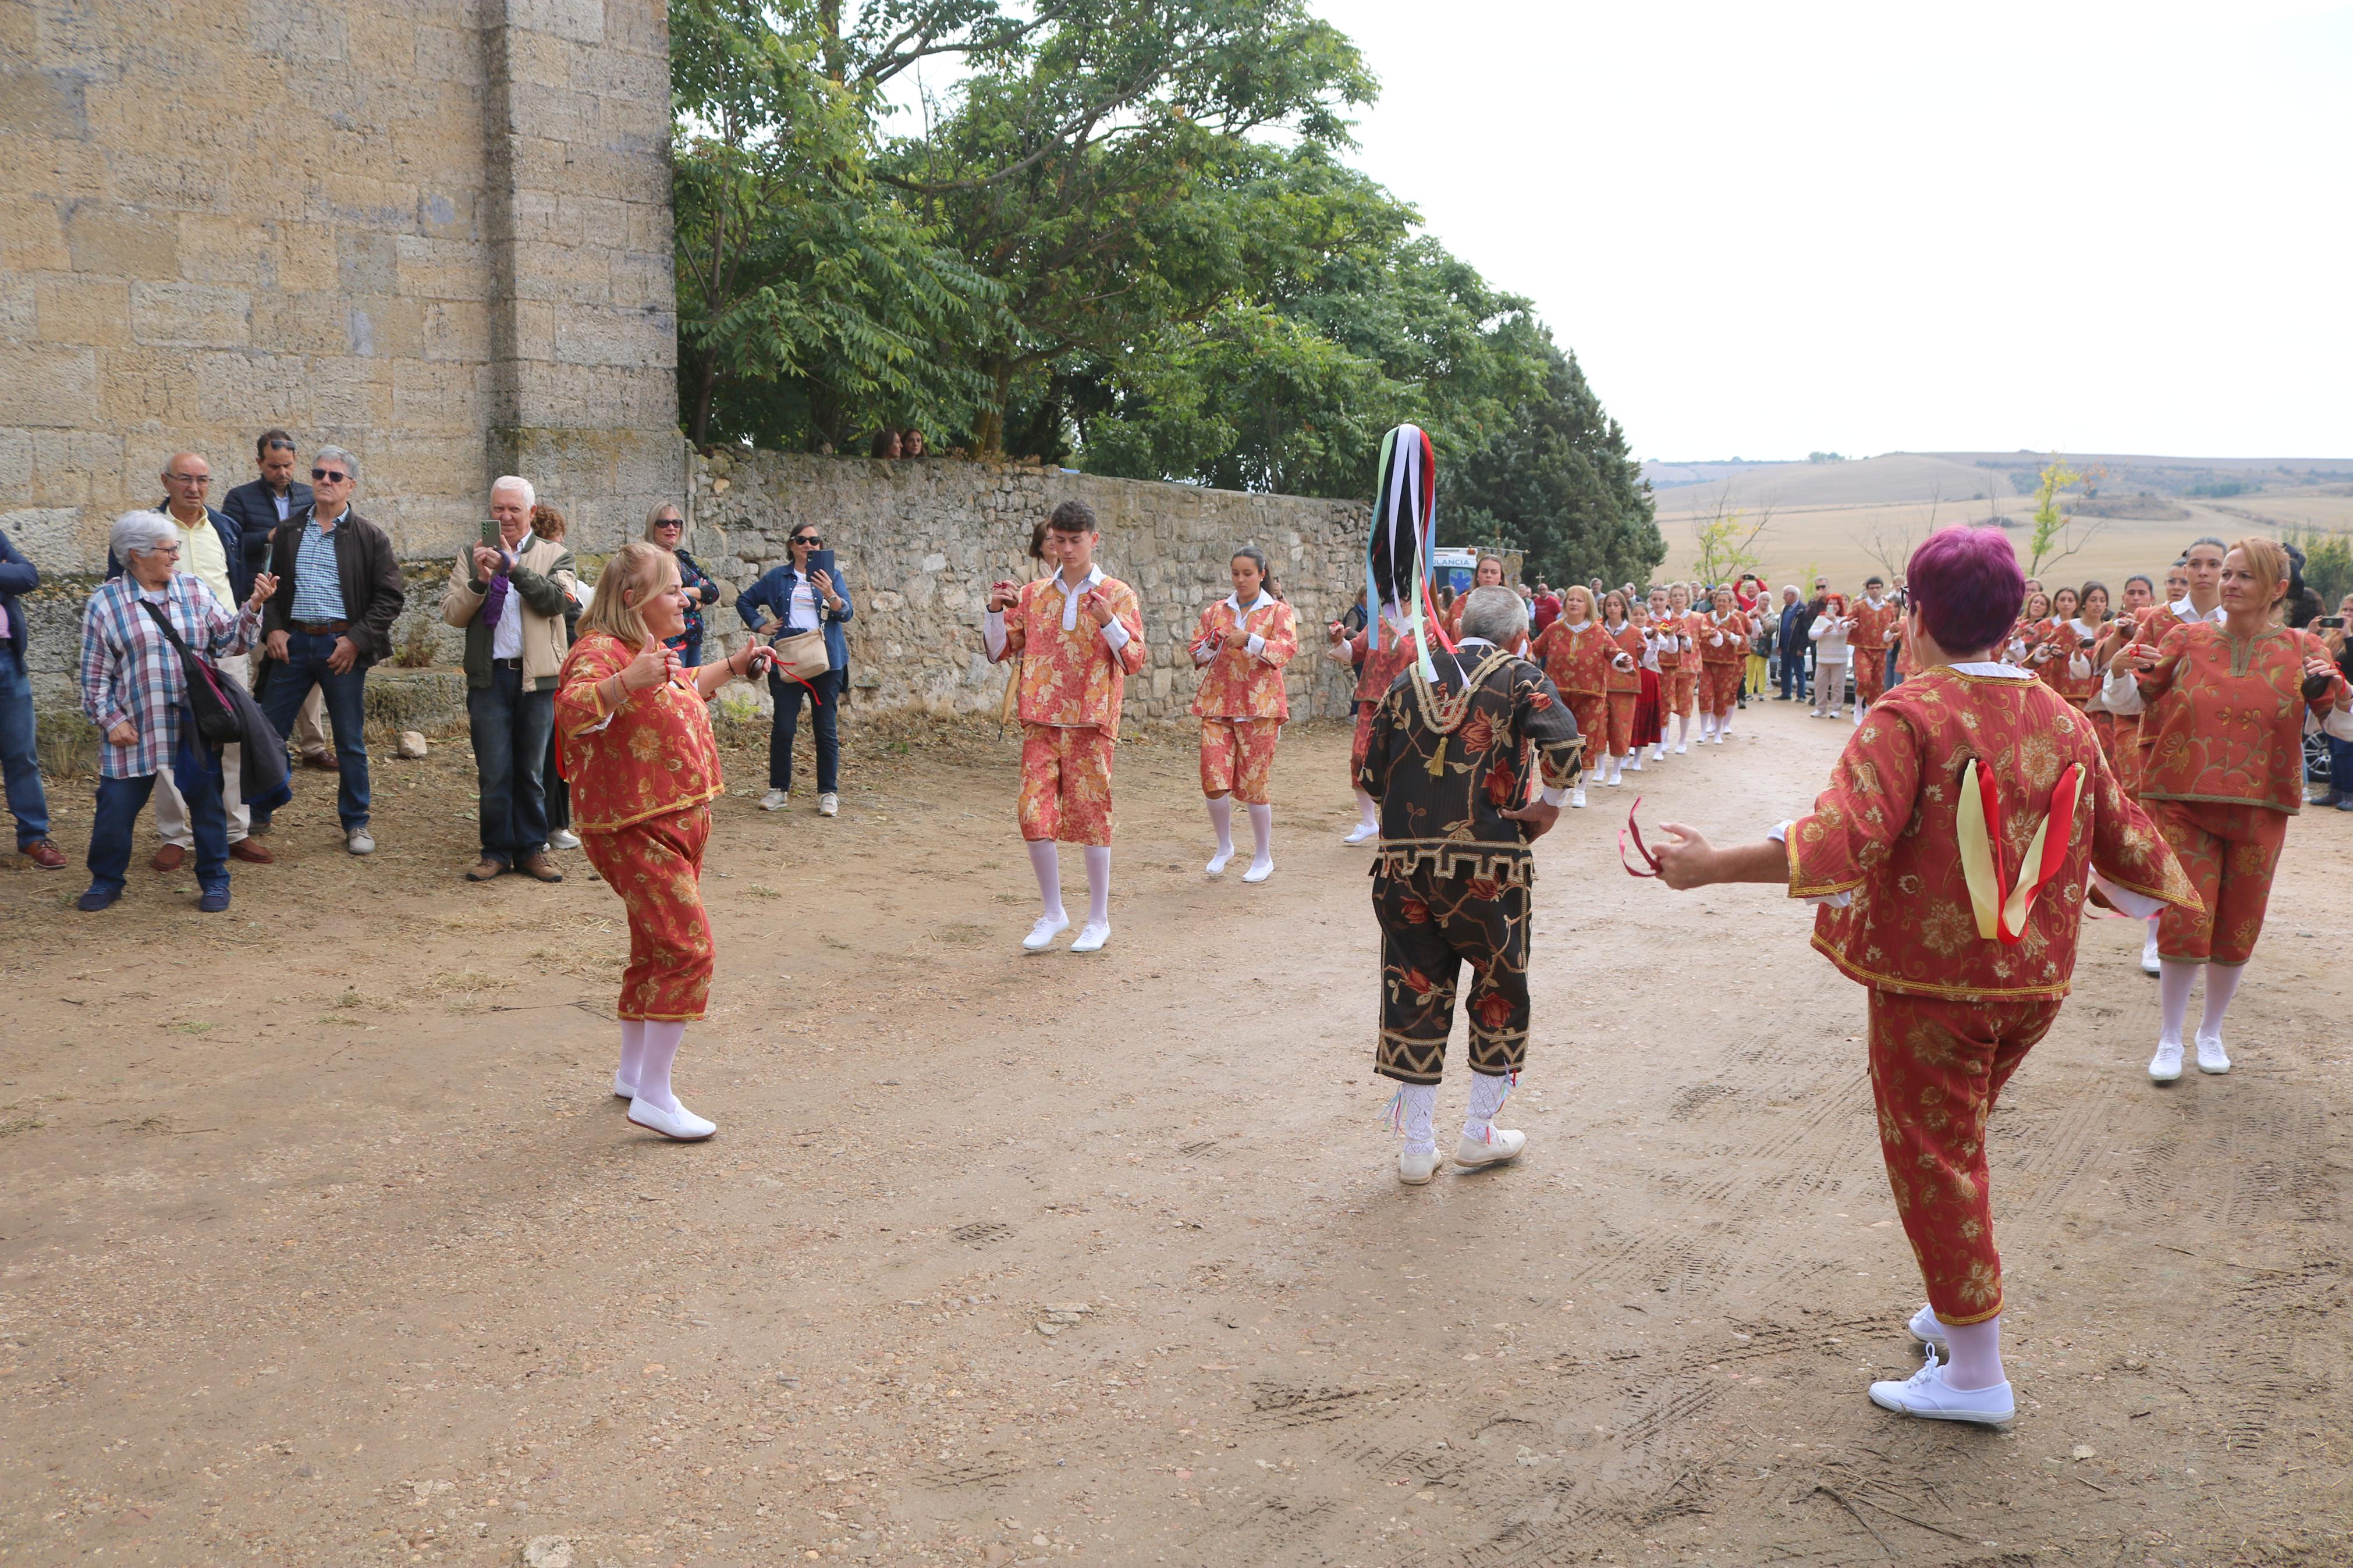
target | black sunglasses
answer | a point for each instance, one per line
(326, 476)
(669, 523)
(811, 540)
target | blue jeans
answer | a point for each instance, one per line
(824, 721)
(512, 726)
(120, 802)
(2340, 772)
(1895, 669)
(20, 761)
(1793, 673)
(346, 697)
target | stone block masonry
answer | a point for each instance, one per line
(920, 542)
(434, 231)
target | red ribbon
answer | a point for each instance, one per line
(1640, 848)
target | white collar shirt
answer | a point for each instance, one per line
(2184, 611)
(506, 637)
(1071, 596)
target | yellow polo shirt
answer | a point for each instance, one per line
(202, 555)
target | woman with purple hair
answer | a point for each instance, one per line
(1947, 863)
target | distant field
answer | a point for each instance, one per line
(1847, 519)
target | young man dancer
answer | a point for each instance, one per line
(2197, 597)
(1450, 764)
(2227, 709)
(1948, 860)
(1878, 621)
(1081, 635)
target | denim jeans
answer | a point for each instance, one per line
(120, 802)
(2340, 772)
(20, 761)
(512, 726)
(1793, 673)
(788, 695)
(346, 695)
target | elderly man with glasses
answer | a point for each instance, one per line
(338, 591)
(214, 550)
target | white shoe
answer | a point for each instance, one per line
(1415, 1170)
(2165, 1066)
(1926, 1393)
(1092, 937)
(828, 805)
(1720, 735)
(564, 838)
(1361, 831)
(2148, 963)
(359, 841)
(2210, 1057)
(1659, 752)
(1928, 1329)
(1615, 778)
(1041, 935)
(1576, 797)
(1501, 1147)
(1216, 866)
(1834, 712)
(623, 1090)
(775, 800)
(1682, 747)
(1634, 763)
(1259, 871)
(680, 1125)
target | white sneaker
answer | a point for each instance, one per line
(1634, 763)
(359, 841)
(1926, 1393)
(1501, 1147)
(2165, 1066)
(1415, 1170)
(1092, 937)
(1834, 712)
(1576, 797)
(623, 1090)
(680, 1124)
(1682, 747)
(1615, 778)
(2148, 963)
(1041, 935)
(828, 803)
(1659, 752)
(2210, 1057)
(564, 838)
(775, 800)
(1216, 866)
(1259, 871)
(1361, 831)
(1720, 735)
(1928, 1329)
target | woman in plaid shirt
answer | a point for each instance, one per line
(134, 691)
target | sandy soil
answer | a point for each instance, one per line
(323, 1243)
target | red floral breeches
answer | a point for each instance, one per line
(1237, 757)
(1683, 690)
(2230, 851)
(1591, 711)
(1870, 675)
(1722, 685)
(1065, 785)
(1430, 927)
(657, 867)
(1936, 1068)
(1621, 721)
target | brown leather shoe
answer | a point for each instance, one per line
(46, 856)
(252, 852)
(169, 858)
(541, 867)
(324, 762)
(486, 871)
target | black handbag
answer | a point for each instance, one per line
(216, 722)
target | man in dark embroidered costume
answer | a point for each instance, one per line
(1452, 766)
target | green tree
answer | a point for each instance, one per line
(2057, 535)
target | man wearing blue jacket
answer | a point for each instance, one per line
(795, 598)
(20, 763)
(260, 507)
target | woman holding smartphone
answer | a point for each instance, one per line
(801, 595)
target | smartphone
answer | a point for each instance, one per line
(491, 540)
(2333, 623)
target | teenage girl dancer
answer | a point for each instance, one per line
(1244, 641)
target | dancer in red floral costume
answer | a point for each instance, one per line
(1950, 858)
(1244, 641)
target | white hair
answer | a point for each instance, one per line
(1495, 613)
(516, 483)
(137, 533)
(339, 454)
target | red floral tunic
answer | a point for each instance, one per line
(1875, 626)
(1887, 830)
(1576, 662)
(656, 757)
(2225, 720)
(1378, 669)
(1627, 639)
(1733, 627)
(1238, 683)
(1071, 677)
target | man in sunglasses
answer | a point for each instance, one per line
(339, 590)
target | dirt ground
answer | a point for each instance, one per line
(321, 1241)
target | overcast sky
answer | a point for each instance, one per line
(1771, 229)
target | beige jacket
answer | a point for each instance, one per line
(540, 587)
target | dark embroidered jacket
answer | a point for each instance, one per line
(1445, 766)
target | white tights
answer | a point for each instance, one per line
(1975, 1361)
(1047, 862)
(1368, 810)
(658, 1048)
(2173, 982)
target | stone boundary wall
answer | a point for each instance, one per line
(920, 542)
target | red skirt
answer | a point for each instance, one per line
(1647, 732)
